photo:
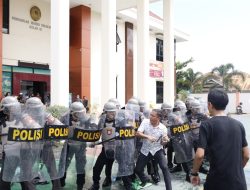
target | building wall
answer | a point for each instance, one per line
(231, 107)
(80, 50)
(118, 63)
(26, 41)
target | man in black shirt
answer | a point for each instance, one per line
(225, 140)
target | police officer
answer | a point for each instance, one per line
(10, 116)
(182, 142)
(166, 110)
(73, 119)
(195, 120)
(106, 157)
(188, 102)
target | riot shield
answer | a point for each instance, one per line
(108, 133)
(23, 147)
(55, 136)
(82, 131)
(125, 142)
(92, 151)
(181, 136)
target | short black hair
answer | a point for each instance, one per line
(218, 98)
(158, 112)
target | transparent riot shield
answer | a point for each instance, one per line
(23, 147)
(55, 136)
(83, 131)
(133, 106)
(181, 136)
(108, 135)
(92, 149)
(125, 142)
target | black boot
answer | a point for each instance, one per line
(177, 168)
(80, 181)
(187, 177)
(107, 182)
(56, 185)
(155, 178)
(62, 180)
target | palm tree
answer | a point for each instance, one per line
(194, 80)
(226, 73)
(181, 83)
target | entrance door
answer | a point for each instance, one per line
(33, 88)
(31, 84)
(39, 88)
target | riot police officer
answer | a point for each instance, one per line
(181, 140)
(195, 119)
(74, 148)
(10, 116)
(166, 110)
(107, 155)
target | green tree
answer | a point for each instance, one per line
(194, 80)
(187, 79)
(226, 73)
(181, 83)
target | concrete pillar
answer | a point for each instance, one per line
(143, 49)
(60, 52)
(168, 53)
(108, 77)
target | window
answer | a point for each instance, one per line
(159, 92)
(159, 49)
(5, 26)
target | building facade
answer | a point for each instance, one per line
(98, 49)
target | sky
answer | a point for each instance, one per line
(219, 32)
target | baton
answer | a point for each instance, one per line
(116, 135)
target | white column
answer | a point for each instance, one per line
(143, 50)
(168, 47)
(59, 52)
(108, 50)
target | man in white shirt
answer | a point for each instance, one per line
(154, 136)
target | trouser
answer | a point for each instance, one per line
(170, 151)
(159, 156)
(127, 181)
(4, 185)
(80, 160)
(152, 168)
(100, 162)
(50, 163)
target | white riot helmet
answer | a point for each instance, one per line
(180, 104)
(166, 106)
(77, 110)
(77, 107)
(34, 102)
(109, 107)
(10, 106)
(8, 101)
(142, 105)
(188, 101)
(35, 108)
(110, 110)
(195, 106)
(133, 104)
(115, 101)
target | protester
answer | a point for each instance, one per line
(225, 140)
(154, 134)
